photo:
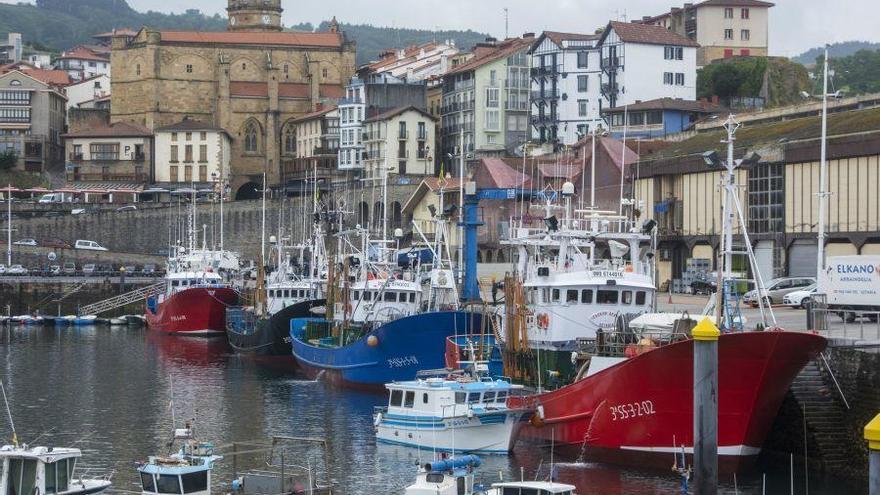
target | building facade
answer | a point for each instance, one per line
(400, 142)
(32, 116)
(311, 146)
(723, 28)
(191, 152)
(110, 153)
(251, 80)
(642, 62)
(83, 63)
(565, 98)
(416, 63)
(658, 118)
(11, 49)
(87, 93)
(486, 102)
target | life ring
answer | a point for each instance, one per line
(543, 321)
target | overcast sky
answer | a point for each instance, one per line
(795, 25)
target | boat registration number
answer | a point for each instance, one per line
(632, 410)
(403, 362)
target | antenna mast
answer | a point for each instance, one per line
(9, 413)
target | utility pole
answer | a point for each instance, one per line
(823, 172)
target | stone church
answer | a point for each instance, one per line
(251, 80)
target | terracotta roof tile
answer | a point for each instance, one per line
(54, 78)
(648, 34)
(487, 55)
(558, 38)
(286, 38)
(119, 129)
(83, 53)
(735, 3)
(670, 104)
(394, 112)
(495, 173)
(314, 115)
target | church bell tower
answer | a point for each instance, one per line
(254, 15)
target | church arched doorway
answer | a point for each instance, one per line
(248, 191)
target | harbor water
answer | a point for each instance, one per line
(109, 392)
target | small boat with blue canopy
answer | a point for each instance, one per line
(186, 471)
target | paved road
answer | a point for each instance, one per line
(789, 318)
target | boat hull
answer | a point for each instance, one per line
(641, 409)
(402, 348)
(194, 312)
(482, 433)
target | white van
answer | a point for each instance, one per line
(88, 245)
(52, 198)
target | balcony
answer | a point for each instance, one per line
(543, 120)
(107, 177)
(612, 63)
(516, 84)
(516, 106)
(610, 90)
(326, 150)
(547, 71)
(351, 101)
(402, 135)
(545, 94)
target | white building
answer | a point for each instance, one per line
(416, 63)
(191, 152)
(11, 50)
(643, 62)
(352, 111)
(83, 63)
(401, 142)
(83, 94)
(566, 76)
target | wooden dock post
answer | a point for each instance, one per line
(706, 336)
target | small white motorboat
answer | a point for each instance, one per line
(118, 322)
(187, 471)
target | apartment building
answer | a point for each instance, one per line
(722, 28)
(11, 49)
(84, 63)
(88, 93)
(566, 75)
(642, 62)
(400, 142)
(191, 152)
(310, 146)
(416, 63)
(32, 116)
(109, 153)
(486, 102)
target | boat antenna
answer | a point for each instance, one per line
(171, 403)
(9, 414)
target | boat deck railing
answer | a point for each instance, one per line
(627, 343)
(241, 321)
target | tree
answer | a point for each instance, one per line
(8, 159)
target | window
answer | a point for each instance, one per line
(502, 396)
(203, 173)
(50, 479)
(728, 13)
(640, 297)
(189, 68)
(679, 53)
(409, 399)
(173, 176)
(168, 483)
(679, 79)
(744, 34)
(460, 397)
(325, 73)
(492, 100)
(187, 173)
(148, 482)
(669, 52)
(396, 398)
(173, 137)
(555, 295)
(390, 297)
(188, 153)
(289, 140)
(583, 83)
(105, 151)
(424, 398)
(493, 120)
(744, 14)
(606, 296)
(667, 78)
(15, 115)
(766, 198)
(203, 153)
(137, 69)
(174, 155)
(401, 130)
(203, 136)
(627, 297)
(582, 108)
(250, 138)
(434, 478)
(583, 60)
(195, 482)
(488, 397)
(586, 296)
(189, 136)
(571, 296)
(14, 97)
(474, 398)
(728, 34)
(637, 118)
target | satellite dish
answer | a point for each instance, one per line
(52, 256)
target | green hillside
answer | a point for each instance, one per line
(778, 80)
(61, 24)
(836, 50)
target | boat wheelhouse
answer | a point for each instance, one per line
(531, 488)
(453, 414)
(187, 472)
(44, 470)
(447, 477)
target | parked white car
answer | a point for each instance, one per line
(88, 245)
(2, 269)
(16, 270)
(800, 298)
(25, 242)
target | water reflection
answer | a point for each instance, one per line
(109, 391)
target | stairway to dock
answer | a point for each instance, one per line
(122, 299)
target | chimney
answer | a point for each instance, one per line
(688, 6)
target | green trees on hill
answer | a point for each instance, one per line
(779, 81)
(857, 74)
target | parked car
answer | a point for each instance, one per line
(16, 270)
(57, 243)
(149, 270)
(69, 268)
(52, 198)
(2, 269)
(25, 242)
(800, 298)
(778, 288)
(130, 270)
(89, 245)
(55, 270)
(127, 208)
(89, 269)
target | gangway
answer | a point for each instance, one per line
(122, 299)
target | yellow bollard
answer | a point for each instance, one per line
(706, 336)
(872, 435)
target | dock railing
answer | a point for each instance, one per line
(845, 323)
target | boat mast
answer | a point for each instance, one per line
(8, 411)
(823, 172)
(9, 225)
(263, 227)
(726, 244)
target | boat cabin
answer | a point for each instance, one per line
(188, 472)
(281, 295)
(181, 281)
(381, 300)
(445, 398)
(446, 477)
(531, 488)
(44, 471)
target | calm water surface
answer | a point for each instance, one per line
(108, 391)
